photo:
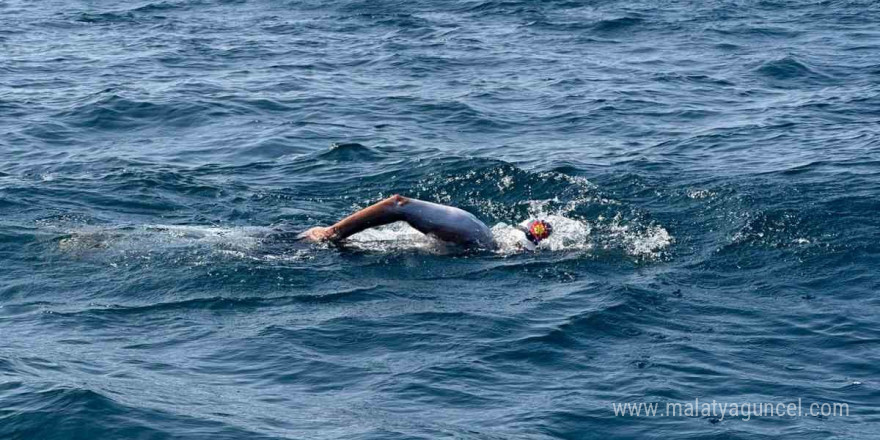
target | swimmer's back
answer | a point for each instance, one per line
(447, 223)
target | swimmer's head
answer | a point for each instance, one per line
(537, 230)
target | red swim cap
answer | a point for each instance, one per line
(539, 230)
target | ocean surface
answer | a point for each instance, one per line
(712, 169)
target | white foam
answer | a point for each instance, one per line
(700, 193)
(398, 236)
(643, 242)
(568, 235)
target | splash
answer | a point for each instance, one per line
(642, 242)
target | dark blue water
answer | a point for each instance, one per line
(713, 169)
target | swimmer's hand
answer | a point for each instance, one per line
(318, 234)
(378, 214)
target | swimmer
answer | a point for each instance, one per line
(446, 223)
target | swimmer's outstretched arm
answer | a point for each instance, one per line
(381, 213)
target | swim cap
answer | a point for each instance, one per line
(538, 230)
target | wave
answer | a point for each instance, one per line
(111, 111)
(228, 302)
(161, 6)
(131, 15)
(349, 152)
(61, 412)
(790, 68)
(615, 25)
(105, 17)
